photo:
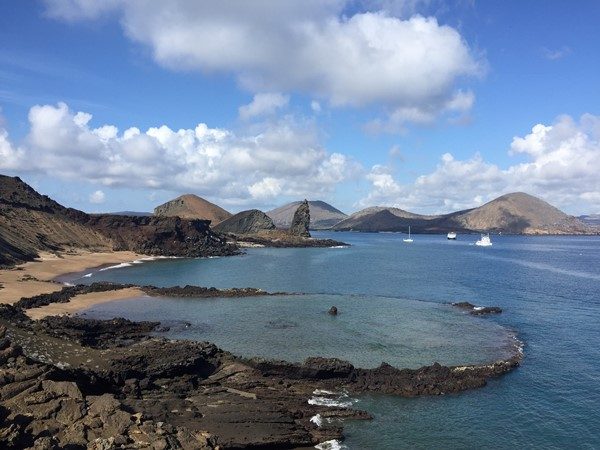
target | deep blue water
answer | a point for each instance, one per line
(549, 288)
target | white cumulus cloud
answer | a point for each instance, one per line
(263, 104)
(276, 158)
(97, 197)
(410, 67)
(563, 160)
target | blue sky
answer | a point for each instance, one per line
(425, 105)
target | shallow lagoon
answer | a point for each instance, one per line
(549, 290)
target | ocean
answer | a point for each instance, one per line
(393, 300)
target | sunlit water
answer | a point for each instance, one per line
(393, 307)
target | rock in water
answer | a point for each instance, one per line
(333, 311)
(301, 220)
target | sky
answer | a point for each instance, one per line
(425, 105)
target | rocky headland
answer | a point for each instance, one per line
(255, 229)
(70, 382)
(31, 223)
(322, 215)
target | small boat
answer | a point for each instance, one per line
(484, 241)
(451, 235)
(409, 238)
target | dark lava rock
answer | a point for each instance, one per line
(316, 368)
(245, 222)
(301, 220)
(94, 333)
(39, 409)
(333, 311)
(478, 310)
(65, 383)
(279, 239)
(204, 292)
(165, 236)
(67, 293)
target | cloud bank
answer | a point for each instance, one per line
(410, 68)
(562, 166)
(284, 158)
(281, 158)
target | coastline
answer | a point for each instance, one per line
(38, 277)
(83, 302)
(194, 392)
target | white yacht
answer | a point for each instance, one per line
(409, 239)
(484, 241)
(451, 235)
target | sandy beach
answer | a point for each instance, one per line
(36, 277)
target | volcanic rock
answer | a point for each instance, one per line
(322, 215)
(478, 310)
(301, 221)
(30, 222)
(190, 206)
(245, 222)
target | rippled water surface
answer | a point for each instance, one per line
(393, 302)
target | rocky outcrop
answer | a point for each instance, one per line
(163, 236)
(301, 221)
(205, 292)
(283, 239)
(43, 407)
(190, 206)
(171, 391)
(30, 223)
(254, 228)
(322, 215)
(246, 222)
(478, 310)
(65, 294)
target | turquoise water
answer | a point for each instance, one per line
(549, 288)
(367, 330)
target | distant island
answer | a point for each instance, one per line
(516, 213)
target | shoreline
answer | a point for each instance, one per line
(198, 394)
(40, 277)
(83, 302)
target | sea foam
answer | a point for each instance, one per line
(116, 266)
(317, 420)
(333, 444)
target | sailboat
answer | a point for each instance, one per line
(484, 241)
(451, 235)
(409, 238)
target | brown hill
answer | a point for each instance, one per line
(30, 223)
(251, 221)
(516, 213)
(519, 213)
(190, 206)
